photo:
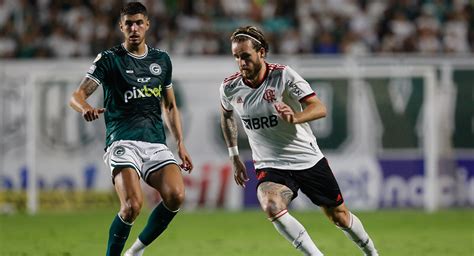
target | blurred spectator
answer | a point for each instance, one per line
(80, 28)
(390, 43)
(455, 34)
(353, 45)
(290, 42)
(61, 43)
(428, 42)
(401, 27)
(7, 42)
(427, 25)
(326, 44)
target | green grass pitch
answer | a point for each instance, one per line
(209, 233)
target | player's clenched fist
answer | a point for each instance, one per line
(92, 114)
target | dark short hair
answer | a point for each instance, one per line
(133, 8)
(253, 34)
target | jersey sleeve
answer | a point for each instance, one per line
(297, 87)
(98, 70)
(168, 76)
(225, 102)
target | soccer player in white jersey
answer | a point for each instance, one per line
(275, 105)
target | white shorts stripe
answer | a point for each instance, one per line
(120, 164)
(157, 167)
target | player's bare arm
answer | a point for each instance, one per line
(229, 130)
(313, 109)
(173, 118)
(79, 97)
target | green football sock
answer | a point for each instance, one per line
(118, 234)
(159, 219)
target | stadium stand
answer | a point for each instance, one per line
(80, 28)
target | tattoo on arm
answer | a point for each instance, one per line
(229, 128)
(89, 86)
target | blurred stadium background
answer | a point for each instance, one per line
(397, 78)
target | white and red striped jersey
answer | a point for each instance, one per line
(274, 142)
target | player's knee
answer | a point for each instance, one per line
(271, 207)
(174, 199)
(131, 209)
(341, 218)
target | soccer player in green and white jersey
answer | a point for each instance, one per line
(136, 80)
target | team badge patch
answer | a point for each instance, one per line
(119, 151)
(155, 69)
(269, 95)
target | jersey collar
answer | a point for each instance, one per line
(135, 55)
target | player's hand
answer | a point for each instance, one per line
(285, 112)
(90, 114)
(187, 164)
(240, 173)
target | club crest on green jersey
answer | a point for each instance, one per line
(155, 69)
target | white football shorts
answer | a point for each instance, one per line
(144, 157)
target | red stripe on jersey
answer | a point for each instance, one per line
(232, 77)
(276, 66)
(308, 96)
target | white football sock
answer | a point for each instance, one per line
(356, 233)
(137, 249)
(294, 232)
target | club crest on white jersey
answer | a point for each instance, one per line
(275, 143)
